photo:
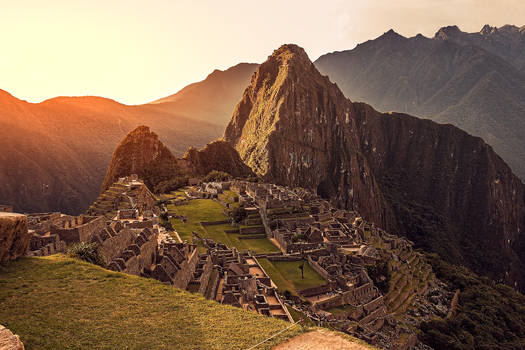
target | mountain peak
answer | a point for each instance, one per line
(445, 33)
(391, 34)
(487, 29)
(290, 53)
(141, 130)
(141, 152)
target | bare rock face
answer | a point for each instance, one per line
(9, 341)
(14, 236)
(439, 186)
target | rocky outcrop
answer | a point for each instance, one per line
(444, 189)
(9, 341)
(14, 236)
(218, 155)
(142, 153)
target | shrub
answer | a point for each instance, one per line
(87, 252)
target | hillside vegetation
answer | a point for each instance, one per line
(60, 303)
(489, 316)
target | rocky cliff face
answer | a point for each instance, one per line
(434, 183)
(14, 237)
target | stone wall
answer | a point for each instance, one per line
(14, 236)
(211, 223)
(81, 233)
(318, 269)
(185, 273)
(316, 290)
(45, 245)
(114, 245)
(138, 256)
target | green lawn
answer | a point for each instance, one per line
(287, 275)
(196, 210)
(199, 210)
(60, 303)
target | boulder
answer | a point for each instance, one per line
(9, 341)
(14, 236)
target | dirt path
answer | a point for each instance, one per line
(319, 339)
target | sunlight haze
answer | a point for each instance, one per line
(139, 51)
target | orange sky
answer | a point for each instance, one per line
(138, 51)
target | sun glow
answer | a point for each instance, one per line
(138, 51)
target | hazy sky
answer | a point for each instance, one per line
(138, 51)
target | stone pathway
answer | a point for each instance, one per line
(319, 339)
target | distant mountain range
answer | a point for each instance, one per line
(213, 99)
(55, 153)
(475, 81)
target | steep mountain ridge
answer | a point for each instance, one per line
(217, 155)
(287, 108)
(444, 79)
(434, 183)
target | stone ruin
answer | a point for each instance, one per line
(125, 196)
(337, 244)
(241, 281)
(54, 232)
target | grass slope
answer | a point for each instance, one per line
(60, 303)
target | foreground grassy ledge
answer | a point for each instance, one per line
(60, 303)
